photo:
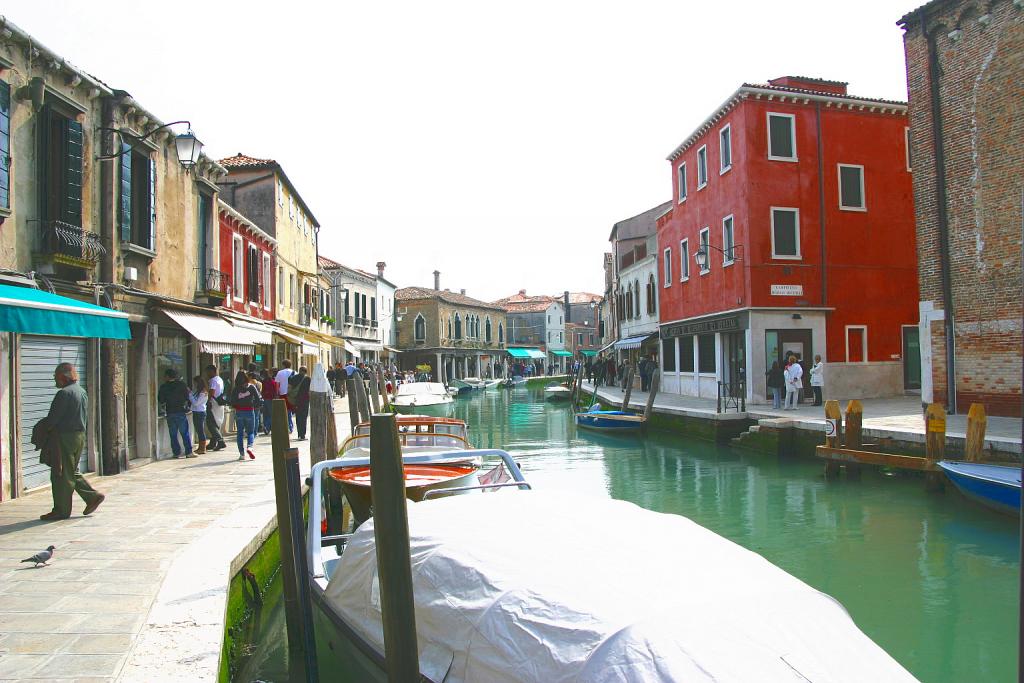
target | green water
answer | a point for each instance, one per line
(931, 578)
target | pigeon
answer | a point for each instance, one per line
(42, 557)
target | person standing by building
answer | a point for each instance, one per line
(173, 395)
(245, 399)
(66, 424)
(794, 382)
(776, 384)
(198, 397)
(817, 379)
(283, 375)
(645, 373)
(269, 393)
(298, 396)
(215, 408)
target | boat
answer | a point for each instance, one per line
(514, 381)
(994, 486)
(557, 392)
(431, 398)
(497, 608)
(610, 420)
(489, 383)
(474, 382)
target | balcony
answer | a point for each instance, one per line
(60, 243)
(211, 286)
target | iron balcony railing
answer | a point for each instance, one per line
(732, 395)
(69, 244)
(213, 282)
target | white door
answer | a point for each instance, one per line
(38, 357)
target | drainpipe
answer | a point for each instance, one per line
(934, 71)
(821, 205)
(109, 461)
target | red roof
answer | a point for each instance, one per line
(410, 293)
(243, 161)
(327, 263)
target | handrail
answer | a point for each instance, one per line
(404, 438)
(432, 493)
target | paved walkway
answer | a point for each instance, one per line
(136, 591)
(899, 417)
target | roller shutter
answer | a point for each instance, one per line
(38, 357)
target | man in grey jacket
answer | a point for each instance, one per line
(67, 417)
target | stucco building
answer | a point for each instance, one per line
(635, 284)
(361, 311)
(796, 196)
(536, 328)
(965, 76)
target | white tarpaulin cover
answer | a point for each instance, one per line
(539, 586)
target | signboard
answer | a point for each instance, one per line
(787, 290)
(831, 428)
(937, 425)
(700, 327)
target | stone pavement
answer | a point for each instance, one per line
(898, 417)
(137, 590)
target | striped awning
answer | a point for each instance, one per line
(633, 342)
(214, 334)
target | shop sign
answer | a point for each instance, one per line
(787, 290)
(700, 327)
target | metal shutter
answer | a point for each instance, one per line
(38, 358)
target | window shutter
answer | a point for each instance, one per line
(152, 204)
(373, 309)
(72, 208)
(5, 145)
(126, 193)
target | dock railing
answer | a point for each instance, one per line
(732, 395)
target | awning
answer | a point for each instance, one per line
(560, 352)
(588, 352)
(633, 342)
(258, 332)
(310, 349)
(537, 354)
(391, 350)
(365, 346)
(214, 334)
(519, 353)
(606, 347)
(287, 336)
(32, 311)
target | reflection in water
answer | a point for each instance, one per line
(931, 578)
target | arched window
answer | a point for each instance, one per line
(420, 328)
(501, 333)
(449, 328)
(651, 305)
(628, 309)
(636, 298)
(487, 329)
(458, 326)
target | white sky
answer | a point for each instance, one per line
(495, 142)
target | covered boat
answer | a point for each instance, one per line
(557, 392)
(610, 420)
(598, 590)
(423, 397)
(994, 486)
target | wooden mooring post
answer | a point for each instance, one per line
(852, 434)
(833, 435)
(391, 534)
(353, 404)
(374, 392)
(323, 433)
(655, 384)
(628, 389)
(935, 445)
(383, 383)
(976, 424)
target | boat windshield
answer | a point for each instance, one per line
(458, 429)
(417, 440)
(421, 389)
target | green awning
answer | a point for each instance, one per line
(562, 353)
(33, 311)
(588, 352)
(519, 353)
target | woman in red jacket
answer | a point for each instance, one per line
(269, 393)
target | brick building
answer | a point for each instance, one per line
(965, 76)
(797, 197)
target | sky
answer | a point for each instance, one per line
(495, 142)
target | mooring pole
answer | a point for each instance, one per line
(852, 434)
(321, 418)
(655, 383)
(353, 404)
(374, 392)
(300, 564)
(935, 445)
(833, 435)
(292, 610)
(391, 534)
(628, 387)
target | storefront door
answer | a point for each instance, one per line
(911, 358)
(780, 344)
(734, 361)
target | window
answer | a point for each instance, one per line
(636, 298)
(291, 207)
(138, 199)
(252, 275)
(725, 149)
(668, 355)
(5, 145)
(549, 318)
(856, 343)
(280, 285)
(668, 266)
(785, 233)
(560, 340)
(728, 243)
(652, 290)
(906, 148)
(682, 182)
(579, 339)
(237, 272)
(373, 310)
(706, 354)
(851, 188)
(704, 240)
(420, 328)
(450, 328)
(292, 290)
(501, 333)
(686, 354)
(684, 260)
(458, 326)
(782, 137)
(487, 330)
(280, 192)
(61, 167)
(702, 166)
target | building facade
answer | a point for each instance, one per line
(790, 233)
(456, 335)
(537, 322)
(354, 297)
(964, 65)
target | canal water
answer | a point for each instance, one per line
(930, 578)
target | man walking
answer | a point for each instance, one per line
(215, 409)
(299, 389)
(66, 420)
(282, 378)
(173, 396)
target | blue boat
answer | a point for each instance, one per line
(994, 486)
(610, 420)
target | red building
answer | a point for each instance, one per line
(800, 197)
(247, 265)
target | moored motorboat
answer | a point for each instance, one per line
(557, 392)
(994, 486)
(610, 420)
(431, 398)
(514, 381)
(487, 609)
(489, 383)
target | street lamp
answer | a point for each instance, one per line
(701, 256)
(187, 145)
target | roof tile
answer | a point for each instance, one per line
(411, 293)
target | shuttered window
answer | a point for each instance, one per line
(373, 309)
(73, 172)
(137, 198)
(125, 219)
(253, 275)
(61, 167)
(5, 145)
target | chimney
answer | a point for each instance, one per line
(565, 300)
(380, 268)
(437, 280)
(462, 291)
(522, 292)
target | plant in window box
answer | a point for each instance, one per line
(327, 320)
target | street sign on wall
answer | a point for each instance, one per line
(787, 290)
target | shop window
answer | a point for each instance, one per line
(668, 355)
(686, 354)
(782, 137)
(856, 343)
(706, 354)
